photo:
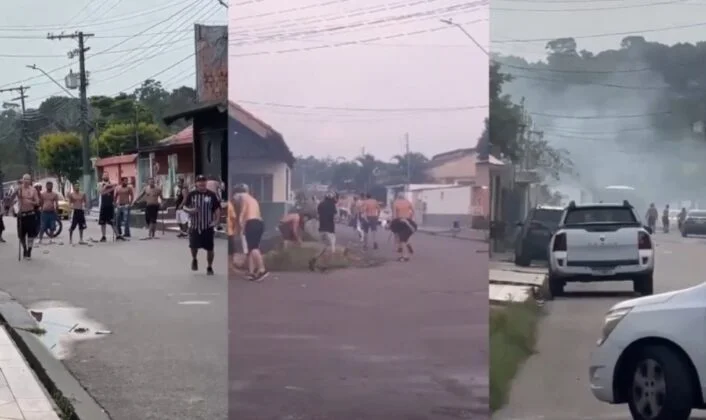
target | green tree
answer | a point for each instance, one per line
(121, 138)
(60, 153)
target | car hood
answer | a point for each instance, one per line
(648, 300)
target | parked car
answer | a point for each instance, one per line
(650, 355)
(64, 207)
(601, 242)
(694, 224)
(532, 242)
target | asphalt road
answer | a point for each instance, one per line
(164, 360)
(405, 341)
(554, 383)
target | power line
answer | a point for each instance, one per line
(598, 117)
(591, 9)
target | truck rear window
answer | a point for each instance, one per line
(590, 215)
(550, 217)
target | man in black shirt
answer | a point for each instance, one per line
(204, 207)
(327, 229)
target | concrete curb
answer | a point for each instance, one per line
(54, 376)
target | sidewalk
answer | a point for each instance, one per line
(22, 396)
(512, 284)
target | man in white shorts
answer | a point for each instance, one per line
(182, 216)
(327, 211)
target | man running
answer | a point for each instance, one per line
(403, 225)
(204, 207)
(124, 196)
(665, 219)
(327, 231)
(249, 224)
(79, 203)
(27, 203)
(152, 194)
(651, 217)
(49, 212)
(371, 214)
(291, 227)
(106, 214)
(181, 216)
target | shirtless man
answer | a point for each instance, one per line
(248, 223)
(106, 214)
(371, 219)
(28, 201)
(124, 195)
(50, 206)
(152, 194)
(78, 203)
(291, 227)
(402, 225)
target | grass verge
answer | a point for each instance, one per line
(513, 335)
(297, 259)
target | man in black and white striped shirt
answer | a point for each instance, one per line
(204, 208)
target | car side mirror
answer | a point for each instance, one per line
(648, 229)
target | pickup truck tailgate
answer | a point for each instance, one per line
(601, 246)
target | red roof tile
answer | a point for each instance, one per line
(116, 160)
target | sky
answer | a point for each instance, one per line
(591, 23)
(134, 40)
(340, 78)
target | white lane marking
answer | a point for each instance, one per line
(195, 302)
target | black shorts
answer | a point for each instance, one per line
(151, 213)
(287, 231)
(253, 231)
(202, 239)
(27, 223)
(402, 228)
(106, 216)
(78, 219)
(370, 224)
(2, 224)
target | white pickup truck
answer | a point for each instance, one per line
(601, 242)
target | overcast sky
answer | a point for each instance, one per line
(656, 20)
(134, 40)
(403, 59)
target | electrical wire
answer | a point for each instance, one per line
(598, 117)
(591, 9)
(576, 83)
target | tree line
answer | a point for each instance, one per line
(48, 137)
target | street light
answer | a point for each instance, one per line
(69, 80)
(452, 23)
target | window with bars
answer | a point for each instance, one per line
(261, 185)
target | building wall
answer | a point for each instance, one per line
(444, 206)
(280, 171)
(462, 169)
(116, 172)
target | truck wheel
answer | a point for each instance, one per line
(644, 285)
(556, 285)
(522, 260)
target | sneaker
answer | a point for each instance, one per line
(261, 276)
(209, 271)
(102, 239)
(194, 265)
(2, 241)
(29, 253)
(120, 238)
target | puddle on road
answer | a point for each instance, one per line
(64, 325)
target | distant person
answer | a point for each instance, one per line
(49, 211)
(27, 205)
(403, 225)
(79, 203)
(106, 212)
(204, 208)
(357, 217)
(152, 196)
(246, 220)
(665, 219)
(371, 220)
(124, 197)
(182, 217)
(651, 217)
(326, 211)
(681, 218)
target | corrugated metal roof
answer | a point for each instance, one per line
(116, 160)
(185, 136)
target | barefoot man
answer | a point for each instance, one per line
(248, 223)
(402, 225)
(152, 194)
(50, 205)
(78, 202)
(124, 195)
(28, 201)
(371, 213)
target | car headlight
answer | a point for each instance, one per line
(612, 319)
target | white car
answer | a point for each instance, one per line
(601, 242)
(651, 355)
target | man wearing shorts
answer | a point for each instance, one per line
(152, 194)
(49, 211)
(78, 203)
(27, 203)
(291, 227)
(181, 216)
(106, 213)
(204, 208)
(371, 219)
(249, 224)
(403, 225)
(327, 231)
(124, 196)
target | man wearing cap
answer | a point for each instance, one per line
(28, 203)
(204, 208)
(327, 211)
(246, 220)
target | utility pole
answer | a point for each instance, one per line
(83, 86)
(407, 158)
(23, 126)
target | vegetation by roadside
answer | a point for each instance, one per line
(513, 335)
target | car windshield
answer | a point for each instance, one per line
(589, 215)
(549, 217)
(700, 213)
